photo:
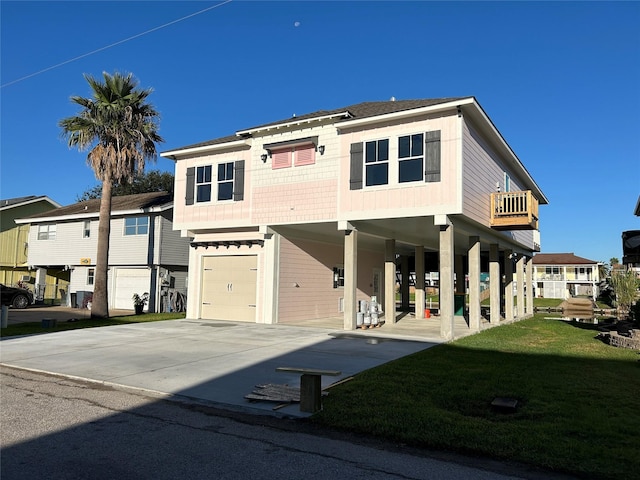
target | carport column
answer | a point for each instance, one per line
(194, 279)
(390, 281)
(404, 286)
(530, 287)
(419, 302)
(494, 283)
(508, 285)
(474, 284)
(520, 285)
(350, 278)
(271, 273)
(447, 296)
(41, 284)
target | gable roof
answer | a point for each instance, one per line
(126, 204)
(560, 259)
(20, 201)
(351, 112)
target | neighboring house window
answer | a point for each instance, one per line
(225, 181)
(203, 183)
(338, 277)
(376, 159)
(46, 232)
(136, 226)
(86, 229)
(91, 273)
(411, 157)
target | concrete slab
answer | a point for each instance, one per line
(216, 362)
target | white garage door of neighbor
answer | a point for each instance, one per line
(128, 282)
(229, 287)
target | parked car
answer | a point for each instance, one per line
(15, 297)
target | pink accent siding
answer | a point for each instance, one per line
(296, 202)
(281, 159)
(306, 279)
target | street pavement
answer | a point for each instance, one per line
(216, 362)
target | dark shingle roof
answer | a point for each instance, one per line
(357, 111)
(118, 204)
(560, 259)
(15, 201)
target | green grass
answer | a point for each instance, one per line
(30, 328)
(578, 399)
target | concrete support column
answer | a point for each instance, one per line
(40, 284)
(520, 286)
(404, 286)
(494, 283)
(530, 287)
(474, 284)
(446, 281)
(390, 281)
(350, 278)
(419, 303)
(508, 285)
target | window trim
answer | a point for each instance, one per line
(91, 276)
(137, 226)
(47, 231)
(203, 183)
(376, 162)
(228, 167)
(412, 157)
(86, 229)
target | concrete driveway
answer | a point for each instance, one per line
(216, 362)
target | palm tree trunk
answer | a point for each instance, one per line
(100, 302)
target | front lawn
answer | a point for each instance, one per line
(578, 409)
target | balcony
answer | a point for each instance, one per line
(514, 211)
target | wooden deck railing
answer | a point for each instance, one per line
(514, 211)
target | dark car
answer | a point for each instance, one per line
(15, 297)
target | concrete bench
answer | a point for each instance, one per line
(310, 386)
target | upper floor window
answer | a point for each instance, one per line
(86, 229)
(411, 156)
(203, 183)
(507, 182)
(225, 181)
(377, 162)
(136, 225)
(47, 232)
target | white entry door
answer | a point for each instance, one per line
(229, 287)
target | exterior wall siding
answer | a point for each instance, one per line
(172, 248)
(402, 199)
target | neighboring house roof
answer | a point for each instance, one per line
(357, 111)
(560, 259)
(126, 204)
(637, 210)
(20, 201)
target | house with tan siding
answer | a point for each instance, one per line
(306, 217)
(146, 255)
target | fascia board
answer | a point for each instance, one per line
(84, 216)
(172, 154)
(292, 123)
(33, 200)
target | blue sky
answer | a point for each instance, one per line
(560, 80)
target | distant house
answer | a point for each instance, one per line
(631, 245)
(307, 217)
(565, 275)
(14, 267)
(145, 253)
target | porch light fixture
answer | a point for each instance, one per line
(321, 149)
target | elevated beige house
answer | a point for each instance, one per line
(145, 253)
(565, 275)
(303, 218)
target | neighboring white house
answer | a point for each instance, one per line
(565, 275)
(145, 253)
(302, 218)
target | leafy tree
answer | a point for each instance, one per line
(625, 285)
(152, 181)
(614, 261)
(120, 131)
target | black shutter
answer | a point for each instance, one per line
(432, 157)
(238, 181)
(191, 185)
(355, 182)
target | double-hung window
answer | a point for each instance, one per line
(86, 229)
(47, 232)
(411, 158)
(91, 273)
(136, 226)
(225, 181)
(376, 162)
(203, 183)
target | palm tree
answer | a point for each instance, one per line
(120, 131)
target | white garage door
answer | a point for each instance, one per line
(229, 287)
(128, 282)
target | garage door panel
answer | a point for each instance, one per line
(130, 281)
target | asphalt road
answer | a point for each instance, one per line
(57, 428)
